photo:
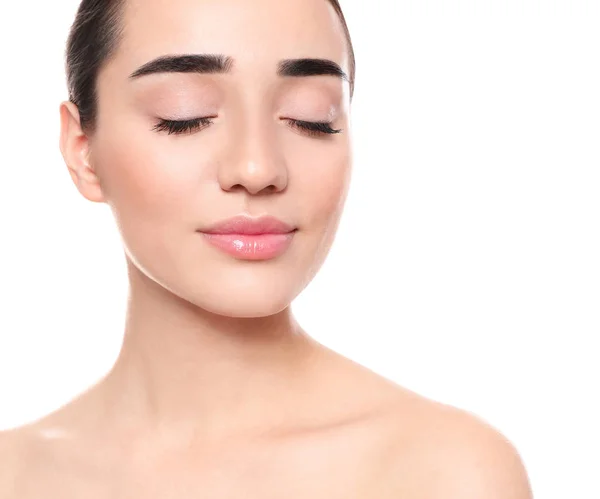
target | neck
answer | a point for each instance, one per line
(183, 367)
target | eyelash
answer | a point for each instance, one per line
(311, 128)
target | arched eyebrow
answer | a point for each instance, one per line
(216, 63)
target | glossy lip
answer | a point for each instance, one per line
(250, 238)
(243, 224)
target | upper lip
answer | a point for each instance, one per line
(243, 224)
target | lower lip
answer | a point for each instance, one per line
(251, 247)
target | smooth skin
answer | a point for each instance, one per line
(218, 392)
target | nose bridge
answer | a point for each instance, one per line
(256, 163)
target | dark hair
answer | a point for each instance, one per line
(95, 36)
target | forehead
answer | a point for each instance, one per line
(255, 33)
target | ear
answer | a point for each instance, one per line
(75, 149)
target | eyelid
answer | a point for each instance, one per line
(314, 128)
(179, 127)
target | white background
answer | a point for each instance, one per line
(466, 266)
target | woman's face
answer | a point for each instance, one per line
(164, 188)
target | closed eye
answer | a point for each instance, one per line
(180, 127)
(314, 128)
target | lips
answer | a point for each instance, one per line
(249, 238)
(250, 226)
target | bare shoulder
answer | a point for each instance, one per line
(441, 451)
(35, 456)
(431, 450)
(10, 455)
(427, 449)
(27, 452)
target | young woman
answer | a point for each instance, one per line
(218, 132)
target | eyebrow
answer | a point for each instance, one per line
(216, 63)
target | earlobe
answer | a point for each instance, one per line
(74, 146)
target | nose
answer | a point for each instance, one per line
(256, 163)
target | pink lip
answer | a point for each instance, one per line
(247, 225)
(251, 238)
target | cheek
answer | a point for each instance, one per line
(150, 187)
(323, 180)
(140, 177)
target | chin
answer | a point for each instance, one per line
(246, 308)
(230, 288)
(239, 303)
(231, 295)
